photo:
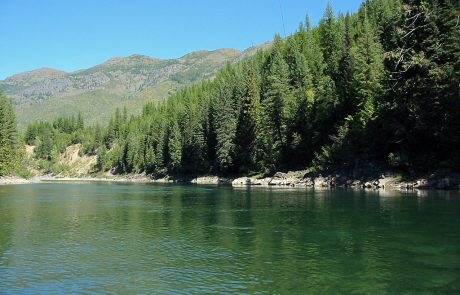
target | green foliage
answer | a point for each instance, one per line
(276, 106)
(101, 158)
(424, 63)
(379, 88)
(11, 148)
(175, 148)
(248, 120)
(368, 70)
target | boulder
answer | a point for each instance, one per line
(248, 181)
(321, 182)
(207, 180)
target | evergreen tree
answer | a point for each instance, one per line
(80, 124)
(10, 148)
(226, 119)
(368, 71)
(425, 67)
(45, 146)
(298, 112)
(101, 158)
(330, 42)
(246, 133)
(275, 105)
(175, 148)
(346, 72)
(376, 88)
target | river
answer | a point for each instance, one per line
(168, 239)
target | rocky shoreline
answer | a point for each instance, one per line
(12, 180)
(383, 181)
(292, 179)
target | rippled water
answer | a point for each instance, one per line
(126, 238)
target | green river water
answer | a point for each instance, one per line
(108, 238)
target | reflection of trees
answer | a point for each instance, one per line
(179, 237)
(5, 225)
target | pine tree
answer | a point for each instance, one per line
(274, 113)
(246, 133)
(328, 96)
(80, 124)
(298, 112)
(425, 66)
(330, 42)
(101, 158)
(175, 148)
(45, 146)
(226, 119)
(368, 71)
(346, 72)
(98, 138)
(10, 149)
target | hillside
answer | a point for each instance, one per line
(323, 99)
(45, 94)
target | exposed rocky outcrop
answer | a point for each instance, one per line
(297, 179)
(79, 164)
(210, 180)
(450, 181)
(305, 179)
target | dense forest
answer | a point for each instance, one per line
(370, 91)
(11, 151)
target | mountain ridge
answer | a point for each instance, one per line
(122, 81)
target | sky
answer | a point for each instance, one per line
(76, 34)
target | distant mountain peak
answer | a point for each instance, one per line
(41, 73)
(130, 81)
(133, 57)
(230, 52)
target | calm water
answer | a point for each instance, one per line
(121, 238)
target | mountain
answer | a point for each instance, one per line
(130, 82)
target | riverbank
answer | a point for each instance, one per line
(291, 179)
(12, 180)
(382, 181)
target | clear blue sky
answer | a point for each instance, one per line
(76, 34)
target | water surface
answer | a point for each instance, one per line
(167, 239)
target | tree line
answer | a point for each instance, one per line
(11, 147)
(373, 90)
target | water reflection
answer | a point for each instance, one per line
(196, 239)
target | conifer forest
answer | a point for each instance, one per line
(371, 91)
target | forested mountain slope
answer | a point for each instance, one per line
(374, 91)
(45, 94)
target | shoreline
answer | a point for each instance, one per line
(6, 180)
(292, 179)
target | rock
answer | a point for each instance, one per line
(158, 175)
(243, 181)
(367, 184)
(321, 182)
(280, 175)
(165, 179)
(263, 182)
(12, 180)
(288, 179)
(308, 181)
(209, 180)
(282, 182)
